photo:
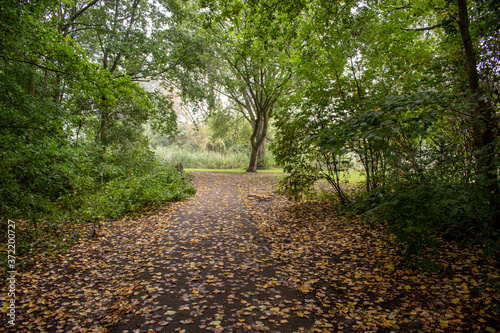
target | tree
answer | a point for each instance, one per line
(56, 99)
(484, 129)
(400, 89)
(354, 57)
(34, 128)
(250, 63)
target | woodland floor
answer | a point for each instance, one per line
(239, 258)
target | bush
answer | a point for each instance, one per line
(125, 195)
(421, 215)
(84, 184)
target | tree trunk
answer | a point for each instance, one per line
(252, 167)
(258, 138)
(483, 130)
(261, 162)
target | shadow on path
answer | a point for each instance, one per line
(193, 266)
(211, 271)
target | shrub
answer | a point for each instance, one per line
(125, 195)
(421, 215)
(82, 185)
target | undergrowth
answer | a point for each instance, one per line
(103, 186)
(425, 216)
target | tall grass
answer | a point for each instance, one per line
(173, 155)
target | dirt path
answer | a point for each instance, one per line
(214, 269)
(239, 258)
(196, 266)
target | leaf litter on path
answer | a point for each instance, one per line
(239, 258)
(354, 274)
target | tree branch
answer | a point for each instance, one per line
(81, 11)
(65, 27)
(35, 64)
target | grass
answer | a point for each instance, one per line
(174, 155)
(353, 177)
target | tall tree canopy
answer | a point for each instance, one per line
(248, 61)
(406, 92)
(71, 112)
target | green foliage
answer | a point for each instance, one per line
(382, 89)
(85, 186)
(418, 174)
(302, 149)
(374, 86)
(221, 142)
(232, 129)
(125, 195)
(422, 215)
(72, 119)
(249, 62)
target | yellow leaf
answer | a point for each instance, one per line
(389, 266)
(305, 288)
(5, 307)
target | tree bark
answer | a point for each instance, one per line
(261, 162)
(259, 125)
(252, 167)
(483, 130)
